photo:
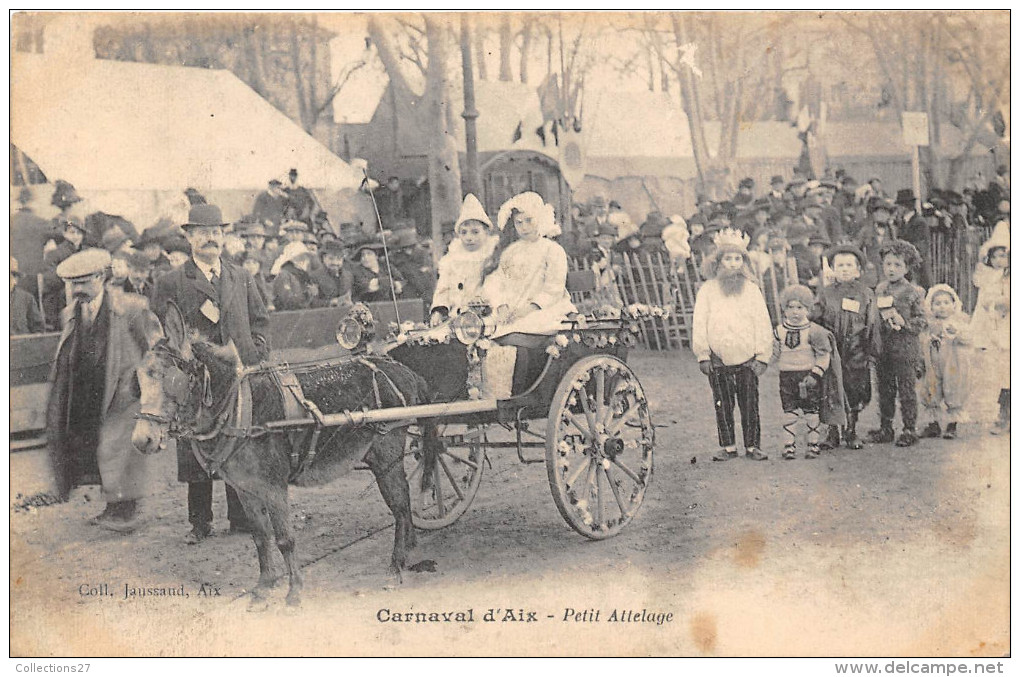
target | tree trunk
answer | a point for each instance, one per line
(651, 71)
(295, 57)
(525, 51)
(506, 43)
(690, 100)
(443, 165)
(479, 45)
(313, 76)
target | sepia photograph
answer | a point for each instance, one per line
(511, 334)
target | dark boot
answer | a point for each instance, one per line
(933, 429)
(850, 433)
(908, 438)
(831, 440)
(198, 533)
(123, 517)
(950, 433)
(883, 435)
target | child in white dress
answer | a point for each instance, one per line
(525, 283)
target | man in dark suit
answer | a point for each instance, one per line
(219, 300)
(53, 287)
(25, 317)
(913, 227)
(93, 398)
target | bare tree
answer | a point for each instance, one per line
(954, 66)
(282, 57)
(506, 41)
(432, 53)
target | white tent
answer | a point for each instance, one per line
(109, 125)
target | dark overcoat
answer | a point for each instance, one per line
(133, 329)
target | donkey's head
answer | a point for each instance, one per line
(178, 383)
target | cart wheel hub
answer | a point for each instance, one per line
(612, 447)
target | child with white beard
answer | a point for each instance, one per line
(732, 340)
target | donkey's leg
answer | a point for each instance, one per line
(386, 460)
(258, 509)
(285, 542)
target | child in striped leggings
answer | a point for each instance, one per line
(804, 352)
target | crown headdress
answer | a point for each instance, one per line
(731, 237)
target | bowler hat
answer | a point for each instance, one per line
(250, 230)
(876, 203)
(177, 244)
(85, 263)
(137, 260)
(205, 216)
(157, 233)
(905, 197)
(294, 226)
(405, 237)
(334, 247)
(113, 238)
(777, 179)
(64, 195)
(819, 239)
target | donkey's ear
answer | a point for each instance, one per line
(175, 328)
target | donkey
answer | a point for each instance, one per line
(189, 389)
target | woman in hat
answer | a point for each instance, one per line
(371, 277)
(293, 286)
(990, 325)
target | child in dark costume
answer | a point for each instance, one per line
(901, 310)
(804, 354)
(847, 308)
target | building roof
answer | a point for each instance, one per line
(110, 125)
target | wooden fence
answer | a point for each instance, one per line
(954, 254)
(653, 279)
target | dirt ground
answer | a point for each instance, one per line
(883, 551)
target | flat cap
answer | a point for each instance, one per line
(84, 264)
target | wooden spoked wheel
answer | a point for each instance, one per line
(444, 468)
(599, 445)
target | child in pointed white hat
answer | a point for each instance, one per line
(460, 269)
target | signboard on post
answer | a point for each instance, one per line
(915, 135)
(915, 129)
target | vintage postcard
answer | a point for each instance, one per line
(511, 334)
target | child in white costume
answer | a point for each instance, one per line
(990, 324)
(525, 283)
(946, 377)
(460, 270)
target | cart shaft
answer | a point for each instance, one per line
(353, 418)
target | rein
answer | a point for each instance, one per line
(232, 412)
